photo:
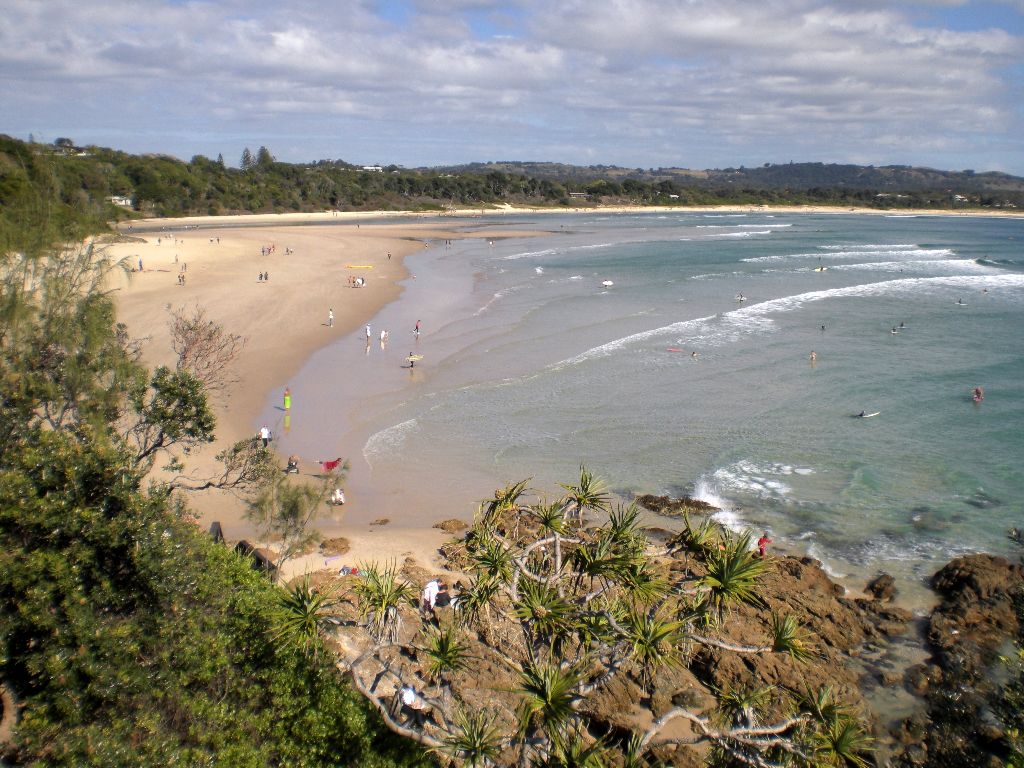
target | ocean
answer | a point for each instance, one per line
(540, 354)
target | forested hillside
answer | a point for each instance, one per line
(86, 179)
(127, 636)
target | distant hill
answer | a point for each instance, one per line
(768, 176)
(91, 185)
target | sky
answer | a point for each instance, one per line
(634, 83)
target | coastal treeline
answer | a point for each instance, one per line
(127, 636)
(106, 182)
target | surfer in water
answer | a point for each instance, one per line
(861, 415)
(894, 331)
(978, 395)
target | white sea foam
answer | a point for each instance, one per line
(748, 477)
(870, 247)
(742, 234)
(754, 318)
(743, 226)
(528, 254)
(617, 344)
(706, 490)
(554, 251)
(814, 551)
(539, 270)
(861, 253)
(949, 266)
(496, 297)
(388, 440)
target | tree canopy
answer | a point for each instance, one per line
(127, 636)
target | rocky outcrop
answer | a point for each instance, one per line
(673, 507)
(978, 619)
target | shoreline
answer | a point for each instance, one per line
(284, 320)
(272, 363)
(388, 217)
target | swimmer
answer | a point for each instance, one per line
(814, 356)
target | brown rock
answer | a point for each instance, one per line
(985, 575)
(882, 587)
(670, 507)
(338, 546)
(452, 525)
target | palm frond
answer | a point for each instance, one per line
(380, 594)
(654, 641)
(789, 636)
(475, 739)
(306, 615)
(733, 572)
(548, 692)
(446, 652)
(843, 742)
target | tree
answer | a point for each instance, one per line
(128, 637)
(564, 628)
(263, 157)
(284, 512)
(247, 161)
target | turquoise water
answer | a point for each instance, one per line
(532, 366)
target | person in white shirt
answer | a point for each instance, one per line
(428, 598)
(265, 435)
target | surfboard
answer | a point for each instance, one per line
(866, 415)
(413, 358)
(675, 349)
(820, 269)
(607, 283)
(359, 266)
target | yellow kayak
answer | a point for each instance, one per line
(359, 266)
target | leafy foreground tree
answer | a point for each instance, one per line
(558, 615)
(127, 637)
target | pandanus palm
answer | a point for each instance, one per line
(381, 593)
(306, 616)
(506, 500)
(546, 613)
(548, 693)
(842, 742)
(590, 493)
(474, 740)
(654, 642)
(733, 572)
(446, 653)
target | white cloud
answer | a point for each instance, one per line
(626, 81)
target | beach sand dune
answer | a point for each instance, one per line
(284, 319)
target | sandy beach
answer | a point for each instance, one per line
(215, 263)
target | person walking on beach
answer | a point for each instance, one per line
(287, 399)
(416, 330)
(265, 435)
(368, 333)
(330, 318)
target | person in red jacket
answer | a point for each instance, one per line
(762, 544)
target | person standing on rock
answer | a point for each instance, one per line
(762, 545)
